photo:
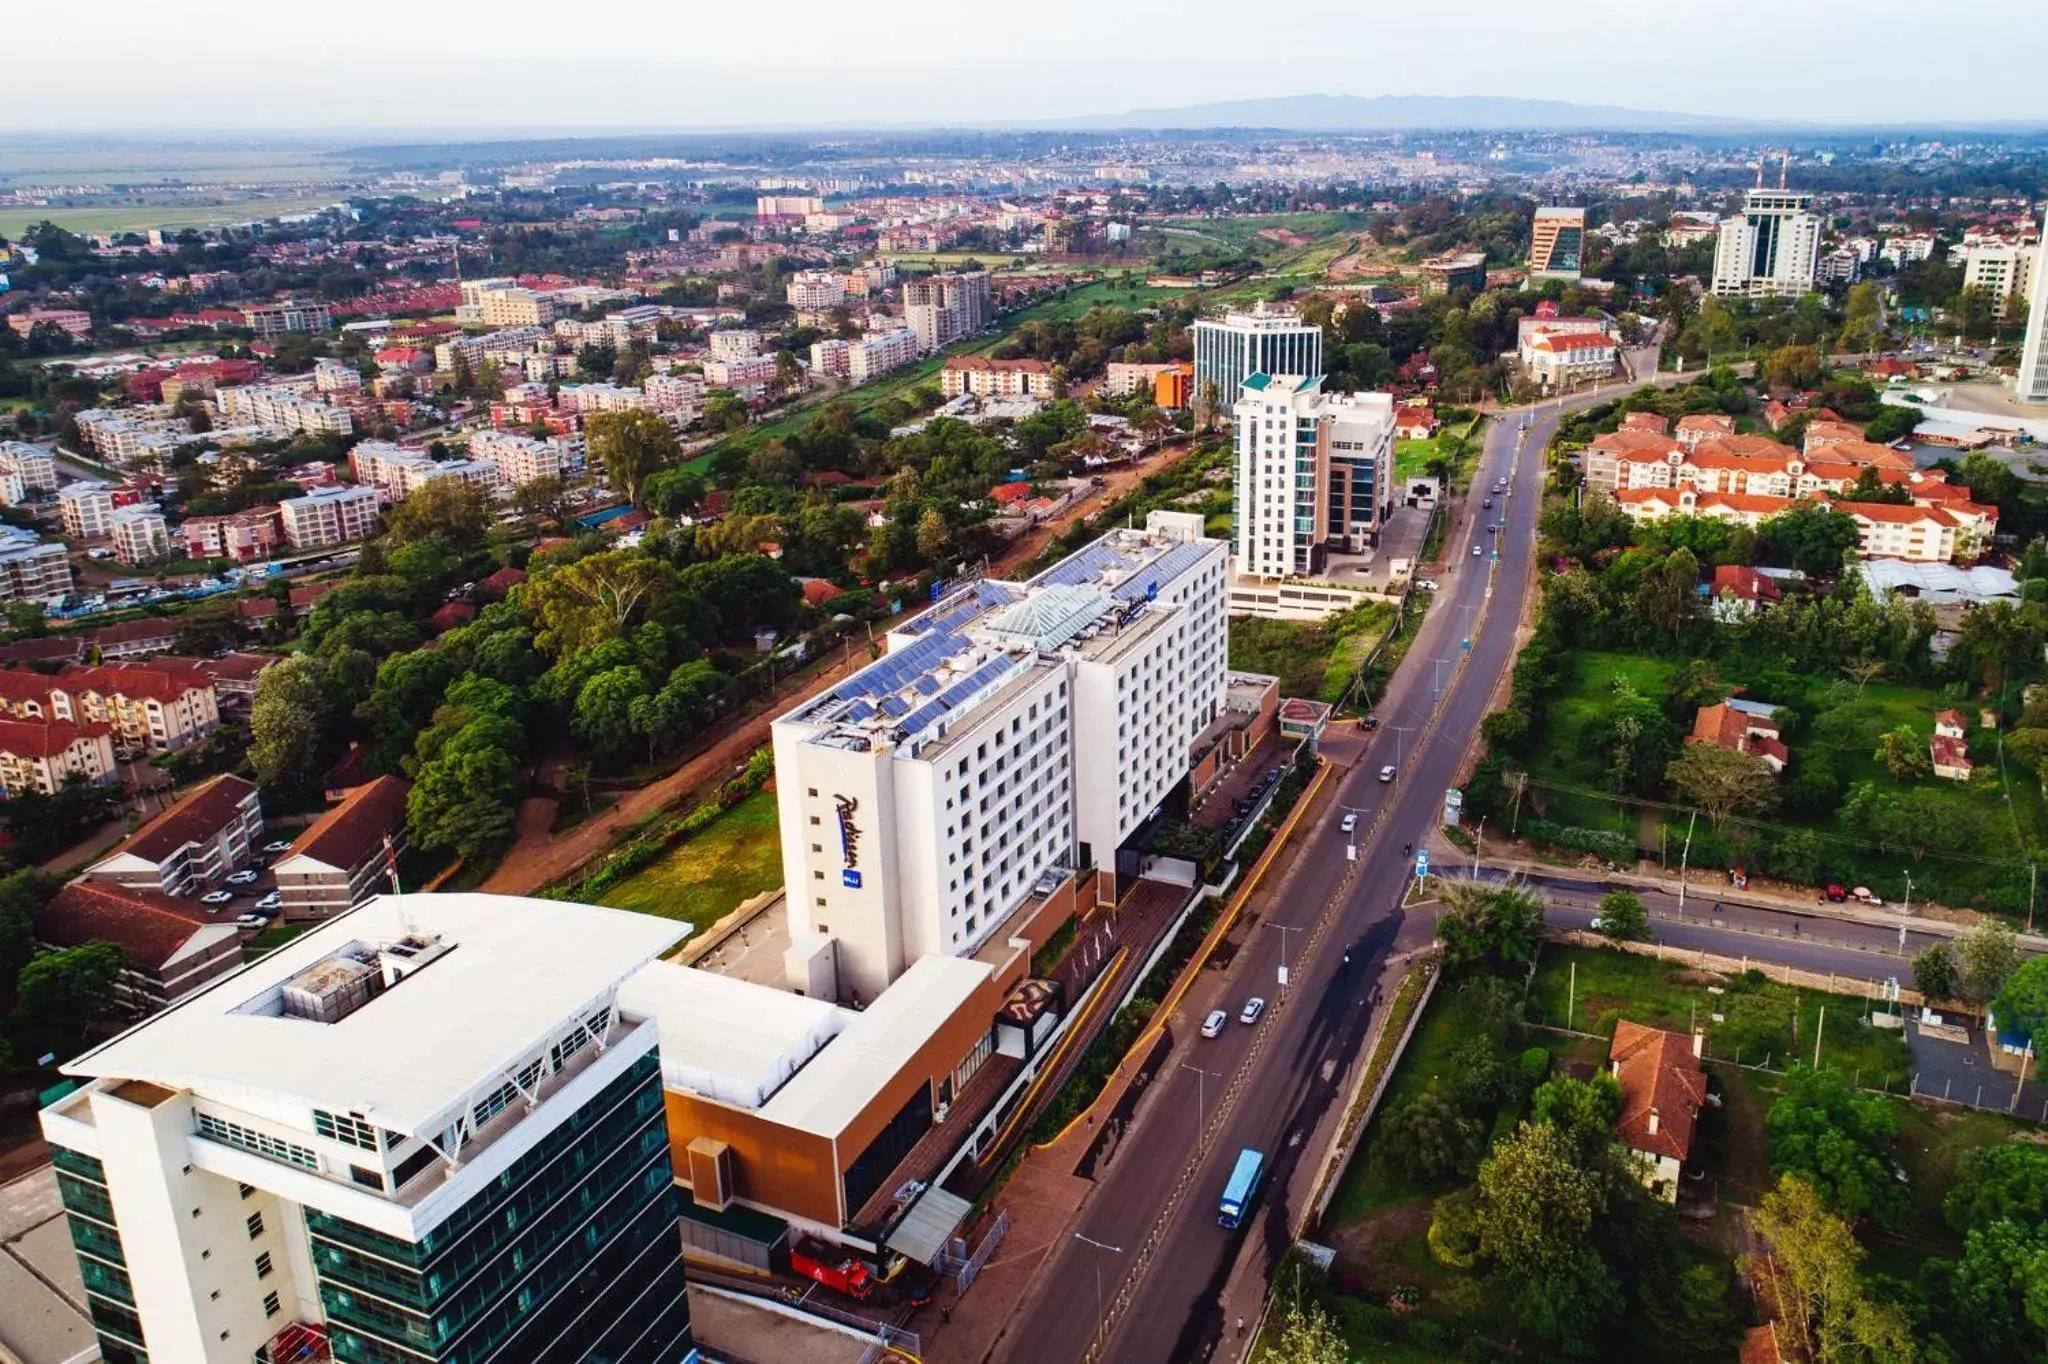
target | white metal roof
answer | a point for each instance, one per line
(828, 1094)
(725, 1038)
(518, 971)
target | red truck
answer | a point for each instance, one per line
(832, 1267)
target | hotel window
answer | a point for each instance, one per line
(263, 1265)
(255, 1225)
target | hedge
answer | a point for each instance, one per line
(1605, 843)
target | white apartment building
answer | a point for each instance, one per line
(1555, 357)
(942, 309)
(541, 368)
(474, 350)
(1314, 471)
(2032, 386)
(830, 357)
(735, 343)
(333, 376)
(601, 398)
(519, 459)
(815, 291)
(745, 371)
(1123, 378)
(674, 392)
(268, 405)
(1234, 347)
(38, 471)
(516, 307)
(1770, 249)
(275, 319)
(2003, 270)
(338, 515)
(422, 1130)
(1907, 247)
(86, 509)
(1013, 730)
(879, 352)
(140, 533)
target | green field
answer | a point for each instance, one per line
(1315, 660)
(706, 877)
(142, 217)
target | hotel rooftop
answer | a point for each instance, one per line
(979, 638)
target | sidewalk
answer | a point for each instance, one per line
(1715, 886)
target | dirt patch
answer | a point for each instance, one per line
(1291, 240)
(1363, 1243)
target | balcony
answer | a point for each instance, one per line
(298, 1343)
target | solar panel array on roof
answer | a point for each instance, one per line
(1175, 561)
(1082, 567)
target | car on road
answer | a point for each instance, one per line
(1254, 1009)
(216, 897)
(1369, 723)
(1476, 551)
(1387, 772)
(1213, 1025)
(1487, 503)
(245, 877)
(1349, 822)
(278, 845)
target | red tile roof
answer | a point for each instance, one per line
(150, 928)
(504, 580)
(198, 816)
(1948, 752)
(1656, 423)
(44, 739)
(132, 631)
(1745, 582)
(353, 829)
(1661, 1082)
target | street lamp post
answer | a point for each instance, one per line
(1399, 732)
(1478, 842)
(1101, 1318)
(1906, 910)
(1283, 930)
(1201, 1099)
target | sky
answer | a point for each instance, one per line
(264, 66)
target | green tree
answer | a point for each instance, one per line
(285, 728)
(603, 596)
(1796, 367)
(632, 445)
(542, 499)
(1813, 1269)
(1986, 957)
(1903, 753)
(1306, 1335)
(60, 994)
(458, 512)
(1839, 1141)
(1623, 916)
(2008, 1181)
(1488, 928)
(1722, 782)
(1935, 972)
(933, 538)
(1427, 1138)
(1998, 1292)
(603, 716)
(2022, 1002)
(466, 799)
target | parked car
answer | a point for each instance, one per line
(1254, 1009)
(274, 900)
(245, 877)
(1862, 895)
(1213, 1025)
(278, 845)
(1370, 723)
(1387, 772)
(216, 897)
(1349, 822)
(252, 920)
(1834, 894)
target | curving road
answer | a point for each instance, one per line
(1147, 1256)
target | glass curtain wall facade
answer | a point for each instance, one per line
(110, 1297)
(569, 1257)
(1230, 350)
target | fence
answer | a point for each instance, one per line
(965, 1271)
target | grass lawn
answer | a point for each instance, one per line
(277, 935)
(704, 878)
(1759, 1018)
(142, 217)
(1574, 713)
(1311, 659)
(1412, 457)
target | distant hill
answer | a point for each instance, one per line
(1339, 113)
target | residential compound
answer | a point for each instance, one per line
(398, 472)
(337, 515)
(139, 533)
(1232, 348)
(1557, 243)
(1749, 479)
(1771, 248)
(866, 357)
(518, 459)
(86, 510)
(2002, 270)
(283, 409)
(986, 378)
(1314, 473)
(158, 706)
(348, 854)
(31, 568)
(423, 1131)
(1015, 731)
(26, 470)
(192, 846)
(943, 309)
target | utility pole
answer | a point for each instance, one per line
(1819, 1027)
(1283, 930)
(1478, 842)
(1571, 997)
(1684, 857)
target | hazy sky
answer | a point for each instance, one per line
(271, 66)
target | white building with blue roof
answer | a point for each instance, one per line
(1012, 730)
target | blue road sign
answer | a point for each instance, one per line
(1421, 862)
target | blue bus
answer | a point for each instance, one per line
(1244, 1182)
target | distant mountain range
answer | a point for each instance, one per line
(1366, 113)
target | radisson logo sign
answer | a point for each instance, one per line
(849, 841)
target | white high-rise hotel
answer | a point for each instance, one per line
(1267, 340)
(2033, 376)
(1011, 730)
(1770, 249)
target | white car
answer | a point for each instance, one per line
(251, 920)
(1348, 823)
(1254, 1010)
(216, 897)
(274, 900)
(1387, 772)
(1213, 1025)
(245, 877)
(1476, 551)
(278, 845)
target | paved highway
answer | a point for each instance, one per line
(1147, 1252)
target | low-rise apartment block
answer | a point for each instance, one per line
(747, 371)
(86, 510)
(275, 319)
(587, 398)
(733, 343)
(474, 350)
(169, 947)
(41, 755)
(285, 409)
(986, 378)
(518, 459)
(159, 706)
(193, 845)
(28, 569)
(243, 536)
(32, 464)
(812, 291)
(73, 321)
(338, 515)
(348, 854)
(140, 534)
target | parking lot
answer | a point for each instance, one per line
(1240, 783)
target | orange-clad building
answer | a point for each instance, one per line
(1174, 389)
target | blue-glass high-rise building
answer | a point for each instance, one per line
(422, 1132)
(1234, 347)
